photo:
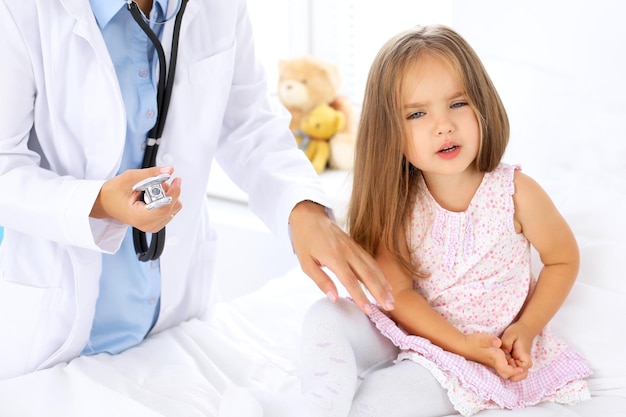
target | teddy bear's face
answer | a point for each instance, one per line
(322, 122)
(293, 93)
(306, 82)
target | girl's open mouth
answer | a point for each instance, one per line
(449, 149)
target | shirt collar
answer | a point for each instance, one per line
(104, 10)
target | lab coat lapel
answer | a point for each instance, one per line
(168, 31)
(87, 28)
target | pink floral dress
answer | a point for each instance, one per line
(480, 278)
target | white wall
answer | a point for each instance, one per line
(560, 68)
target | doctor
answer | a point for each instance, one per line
(78, 96)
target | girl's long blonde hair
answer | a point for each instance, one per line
(384, 181)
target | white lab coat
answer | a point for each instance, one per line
(62, 132)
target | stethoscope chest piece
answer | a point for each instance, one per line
(153, 193)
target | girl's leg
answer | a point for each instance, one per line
(339, 347)
(340, 344)
(405, 389)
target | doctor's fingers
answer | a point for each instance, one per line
(347, 279)
(361, 270)
(321, 279)
(173, 190)
(152, 221)
(372, 277)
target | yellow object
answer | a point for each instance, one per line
(308, 81)
(316, 129)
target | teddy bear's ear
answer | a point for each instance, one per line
(328, 68)
(333, 74)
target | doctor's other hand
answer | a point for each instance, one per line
(118, 201)
(319, 242)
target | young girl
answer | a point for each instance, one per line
(451, 226)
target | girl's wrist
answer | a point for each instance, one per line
(463, 346)
(527, 328)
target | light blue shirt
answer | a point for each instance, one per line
(129, 298)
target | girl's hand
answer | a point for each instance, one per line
(487, 349)
(118, 201)
(516, 343)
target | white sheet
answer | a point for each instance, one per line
(253, 342)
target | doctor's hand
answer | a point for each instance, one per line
(118, 201)
(319, 242)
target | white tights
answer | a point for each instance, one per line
(347, 370)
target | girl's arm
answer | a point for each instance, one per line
(413, 313)
(550, 235)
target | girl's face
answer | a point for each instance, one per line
(444, 134)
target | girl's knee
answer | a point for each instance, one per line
(404, 389)
(341, 312)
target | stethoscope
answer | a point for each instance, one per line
(153, 251)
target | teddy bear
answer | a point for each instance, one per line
(308, 81)
(316, 129)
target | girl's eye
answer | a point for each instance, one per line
(459, 104)
(416, 115)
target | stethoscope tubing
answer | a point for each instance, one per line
(167, 18)
(153, 251)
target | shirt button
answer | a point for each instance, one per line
(150, 114)
(154, 264)
(143, 73)
(152, 301)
